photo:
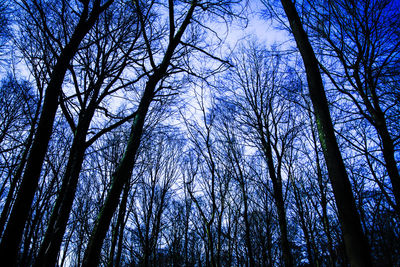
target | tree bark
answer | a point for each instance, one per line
(121, 227)
(357, 247)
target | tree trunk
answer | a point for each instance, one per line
(121, 227)
(322, 189)
(50, 246)
(247, 226)
(17, 175)
(356, 244)
(13, 233)
(119, 178)
(119, 230)
(388, 155)
(280, 205)
(124, 170)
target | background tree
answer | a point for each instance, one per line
(255, 84)
(5, 26)
(96, 76)
(152, 196)
(207, 182)
(19, 114)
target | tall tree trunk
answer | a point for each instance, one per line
(390, 161)
(324, 207)
(19, 171)
(119, 230)
(13, 233)
(119, 178)
(356, 244)
(278, 196)
(124, 170)
(50, 246)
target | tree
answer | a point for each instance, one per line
(5, 22)
(240, 173)
(20, 110)
(153, 195)
(357, 247)
(362, 37)
(53, 167)
(17, 116)
(101, 71)
(164, 148)
(321, 181)
(207, 180)
(86, 17)
(255, 85)
(161, 65)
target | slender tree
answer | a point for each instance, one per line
(255, 84)
(124, 170)
(109, 64)
(88, 14)
(357, 246)
(19, 110)
(236, 160)
(205, 171)
(153, 193)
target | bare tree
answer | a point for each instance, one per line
(162, 64)
(5, 26)
(19, 112)
(86, 16)
(255, 85)
(153, 191)
(207, 180)
(98, 77)
(357, 247)
(363, 39)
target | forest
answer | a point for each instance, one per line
(166, 133)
